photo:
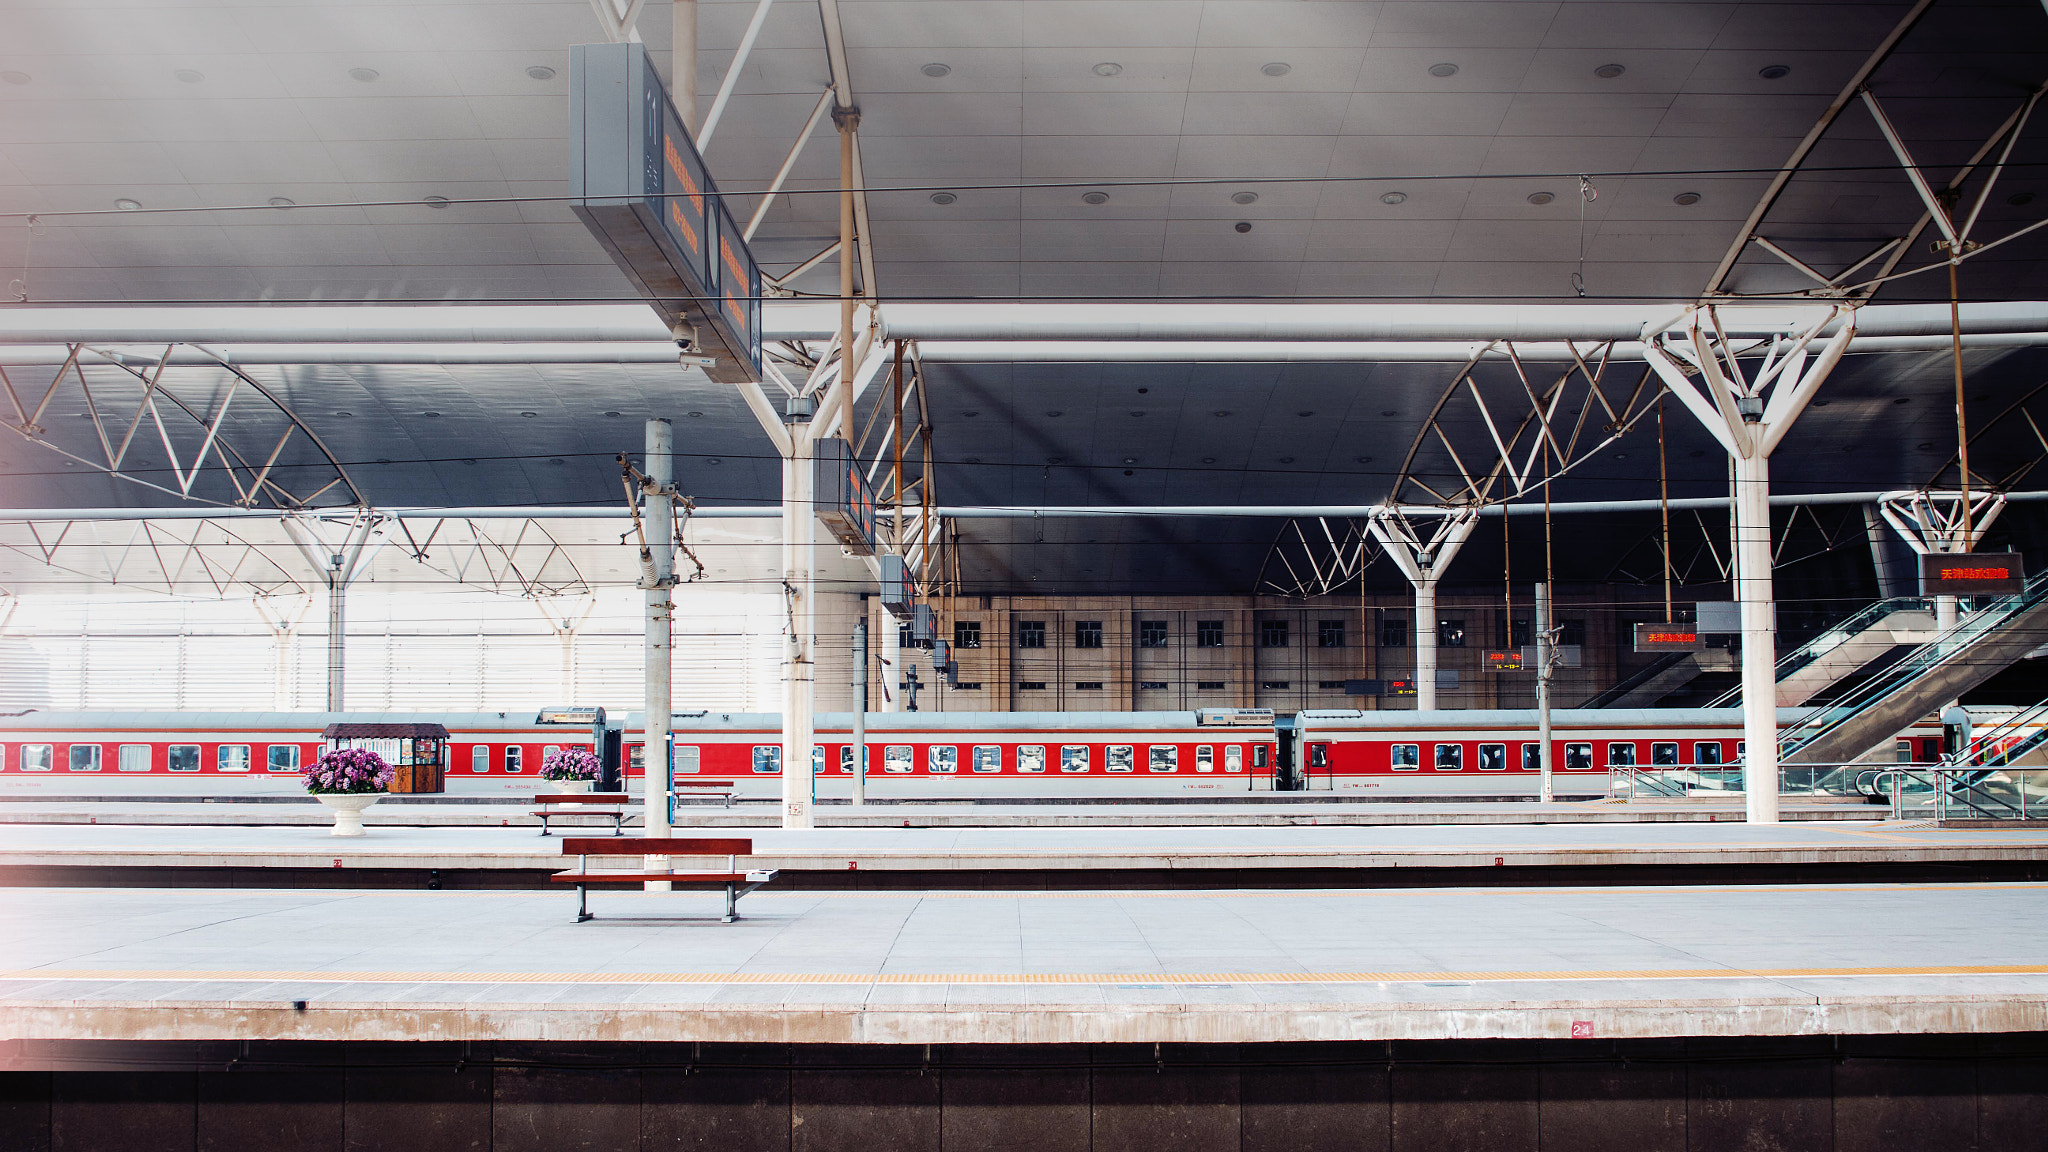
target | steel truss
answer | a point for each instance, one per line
(190, 414)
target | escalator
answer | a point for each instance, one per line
(1869, 715)
(1824, 663)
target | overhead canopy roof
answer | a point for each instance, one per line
(1364, 169)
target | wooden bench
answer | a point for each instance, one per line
(612, 804)
(721, 788)
(735, 882)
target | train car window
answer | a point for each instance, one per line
(1404, 757)
(178, 758)
(1741, 750)
(636, 759)
(1205, 758)
(36, 757)
(1707, 752)
(896, 758)
(1450, 757)
(1621, 755)
(988, 758)
(135, 758)
(515, 758)
(232, 758)
(549, 750)
(479, 758)
(84, 758)
(1262, 755)
(280, 758)
(942, 758)
(1664, 753)
(767, 759)
(1233, 757)
(845, 759)
(686, 759)
(1903, 751)
(1074, 758)
(1319, 755)
(1532, 757)
(1578, 757)
(1493, 757)
(1162, 758)
(1031, 758)
(1118, 758)
(817, 759)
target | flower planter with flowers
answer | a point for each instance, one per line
(574, 769)
(348, 780)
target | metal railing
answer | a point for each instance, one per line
(1947, 792)
(1696, 780)
(1834, 637)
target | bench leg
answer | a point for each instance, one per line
(731, 899)
(618, 823)
(543, 823)
(582, 907)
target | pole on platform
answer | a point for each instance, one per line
(1545, 791)
(658, 647)
(1425, 645)
(860, 710)
(337, 637)
(799, 686)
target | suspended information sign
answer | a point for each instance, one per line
(1669, 638)
(639, 185)
(1972, 574)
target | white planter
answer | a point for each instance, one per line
(565, 786)
(348, 809)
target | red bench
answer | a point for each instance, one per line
(612, 804)
(737, 883)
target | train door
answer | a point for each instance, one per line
(1285, 777)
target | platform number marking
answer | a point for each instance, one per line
(1582, 1029)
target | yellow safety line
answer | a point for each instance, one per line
(930, 978)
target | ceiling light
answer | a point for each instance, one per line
(1055, 413)
(937, 70)
(1686, 199)
(943, 197)
(611, 414)
(1304, 413)
(344, 415)
(1609, 71)
(14, 77)
(431, 415)
(1277, 68)
(127, 205)
(1774, 71)
(1287, 459)
(529, 415)
(540, 72)
(1130, 459)
(1361, 459)
(714, 460)
(557, 461)
(189, 75)
(1109, 68)
(1540, 198)
(1135, 415)
(1443, 71)
(1208, 459)
(2020, 199)
(693, 415)
(971, 413)
(435, 202)
(1222, 412)
(281, 202)
(364, 75)
(1243, 226)
(1094, 197)
(1244, 197)
(1390, 412)
(1394, 198)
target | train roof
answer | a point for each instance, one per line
(459, 722)
(253, 720)
(1521, 717)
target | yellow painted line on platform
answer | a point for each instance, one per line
(933, 978)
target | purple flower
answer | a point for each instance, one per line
(348, 770)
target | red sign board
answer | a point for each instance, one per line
(1507, 661)
(1669, 638)
(1972, 574)
(1400, 687)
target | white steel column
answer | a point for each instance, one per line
(339, 565)
(1546, 792)
(799, 689)
(682, 42)
(658, 649)
(891, 669)
(860, 710)
(1423, 563)
(1749, 410)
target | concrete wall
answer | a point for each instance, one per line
(1847, 1094)
(1245, 671)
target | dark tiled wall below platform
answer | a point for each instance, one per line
(1847, 1094)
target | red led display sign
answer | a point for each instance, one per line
(1972, 574)
(1508, 661)
(1669, 638)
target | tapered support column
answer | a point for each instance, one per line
(1753, 592)
(682, 41)
(1933, 523)
(799, 688)
(337, 641)
(658, 648)
(339, 560)
(860, 711)
(1423, 562)
(891, 670)
(1425, 644)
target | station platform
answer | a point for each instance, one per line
(1026, 968)
(1188, 855)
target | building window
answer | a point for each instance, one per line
(966, 633)
(1030, 633)
(967, 686)
(1275, 684)
(1393, 633)
(1208, 633)
(1330, 685)
(1571, 632)
(903, 636)
(1272, 633)
(1152, 685)
(1088, 686)
(1517, 634)
(1151, 633)
(1209, 685)
(1450, 633)
(1031, 685)
(1087, 633)
(1329, 633)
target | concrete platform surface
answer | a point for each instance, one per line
(935, 967)
(1035, 849)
